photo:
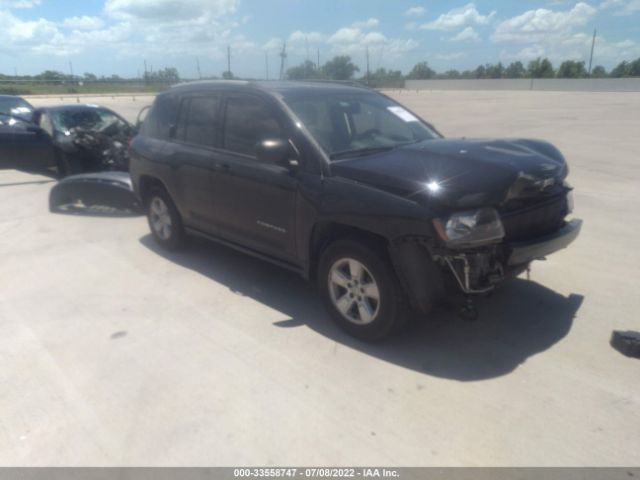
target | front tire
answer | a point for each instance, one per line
(360, 290)
(164, 220)
(67, 165)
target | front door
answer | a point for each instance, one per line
(255, 201)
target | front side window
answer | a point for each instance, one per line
(15, 106)
(248, 121)
(45, 123)
(198, 120)
(352, 123)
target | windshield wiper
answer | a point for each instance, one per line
(361, 151)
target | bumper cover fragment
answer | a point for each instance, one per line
(525, 252)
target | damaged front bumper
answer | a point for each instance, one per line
(479, 270)
(525, 252)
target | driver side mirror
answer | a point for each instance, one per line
(276, 150)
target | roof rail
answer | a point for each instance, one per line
(350, 83)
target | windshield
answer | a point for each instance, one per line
(15, 106)
(349, 124)
(88, 119)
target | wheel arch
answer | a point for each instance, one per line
(146, 185)
(410, 259)
(326, 232)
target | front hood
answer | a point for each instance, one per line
(459, 172)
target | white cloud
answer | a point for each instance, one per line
(354, 41)
(415, 12)
(273, 45)
(369, 23)
(451, 56)
(346, 35)
(299, 36)
(9, 4)
(458, 18)
(159, 28)
(621, 7)
(543, 25)
(466, 35)
(577, 47)
(83, 23)
(168, 10)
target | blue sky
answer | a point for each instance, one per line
(116, 36)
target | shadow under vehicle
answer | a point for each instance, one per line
(520, 320)
(351, 190)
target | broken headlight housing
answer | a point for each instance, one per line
(469, 229)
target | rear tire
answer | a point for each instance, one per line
(361, 290)
(164, 220)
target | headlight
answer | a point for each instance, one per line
(471, 228)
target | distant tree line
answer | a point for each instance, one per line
(167, 75)
(342, 68)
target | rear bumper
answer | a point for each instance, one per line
(525, 252)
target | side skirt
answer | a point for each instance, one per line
(267, 258)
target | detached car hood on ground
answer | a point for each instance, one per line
(459, 172)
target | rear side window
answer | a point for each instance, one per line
(162, 117)
(248, 121)
(198, 120)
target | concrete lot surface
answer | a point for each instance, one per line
(116, 353)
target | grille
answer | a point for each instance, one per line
(535, 221)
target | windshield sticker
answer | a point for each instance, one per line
(402, 114)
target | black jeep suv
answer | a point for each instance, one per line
(349, 188)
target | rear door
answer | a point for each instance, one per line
(192, 154)
(255, 201)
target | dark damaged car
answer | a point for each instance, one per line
(350, 189)
(71, 139)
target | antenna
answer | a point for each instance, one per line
(283, 58)
(593, 46)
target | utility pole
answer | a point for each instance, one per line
(283, 58)
(71, 69)
(306, 43)
(15, 72)
(593, 46)
(266, 63)
(367, 65)
(318, 58)
(198, 65)
(229, 59)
